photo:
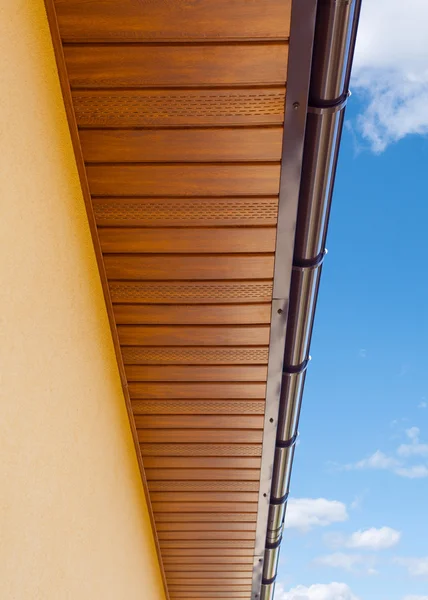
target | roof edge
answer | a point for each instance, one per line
(334, 44)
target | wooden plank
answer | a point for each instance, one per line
(170, 267)
(197, 517)
(204, 486)
(198, 390)
(125, 20)
(186, 212)
(232, 436)
(183, 449)
(222, 582)
(204, 475)
(201, 462)
(206, 497)
(199, 421)
(192, 65)
(176, 335)
(184, 180)
(196, 355)
(191, 292)
(208, 594)
(205, 556)
(196, 373)
(168, 449)
(200, 407)
(206, 526)
(195, 240)
(168, 108)
(214, 314)
(207, 573)
(208, 544)
(182, 145)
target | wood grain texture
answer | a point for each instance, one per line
(195, 335)
(199, 390)
(201, 462)
(94, 66)
(213, 436)
(182, 145)
(205, 497)
(184, 180)
(199, 407)
(186, 212)
(196, 373)
(206, 556)
(206, 526)
(170, 108)
(183, 449)
(198, 421)
(141, 355)
(199, 517)
(130, 20)
(172, 267)
(214, 314)
(203, 474)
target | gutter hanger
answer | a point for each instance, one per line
(335, 34)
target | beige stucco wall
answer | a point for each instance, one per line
(73, 518)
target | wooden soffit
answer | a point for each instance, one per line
(176, 111)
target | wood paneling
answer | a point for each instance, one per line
(110, 20)
(179, 240)
(171, 267)
(178, 65)
(206, 526)
(180, 110)
(193, 335)
(216, 436)
(186, 212)
(200, 462)
(196, 355)
(217, 314)
(171, 108)
(195, 292)
(196, 373)
(180, 145)
(229, 406)
(186, 180)
(231, 450)
(189, 390)
(199, 421)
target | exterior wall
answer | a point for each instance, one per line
(73, 518)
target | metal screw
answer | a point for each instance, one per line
(296, 105)
(271, 420)
(280, 311)
(264, 495)
(260, 560)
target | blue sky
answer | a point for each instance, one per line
(358, 526)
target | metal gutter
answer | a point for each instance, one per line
(334, 43)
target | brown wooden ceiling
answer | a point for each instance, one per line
(179, 106)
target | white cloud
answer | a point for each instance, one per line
(378, 460)
(375, 539)
(415, 448)
(381, 461)
(415, 598)
(391, 70)
(362, 353)
(415, 566)
(348, 562)
(305, 513)
(317, 591)
(423, 404)
(415, 472)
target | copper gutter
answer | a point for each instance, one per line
(335, 33)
